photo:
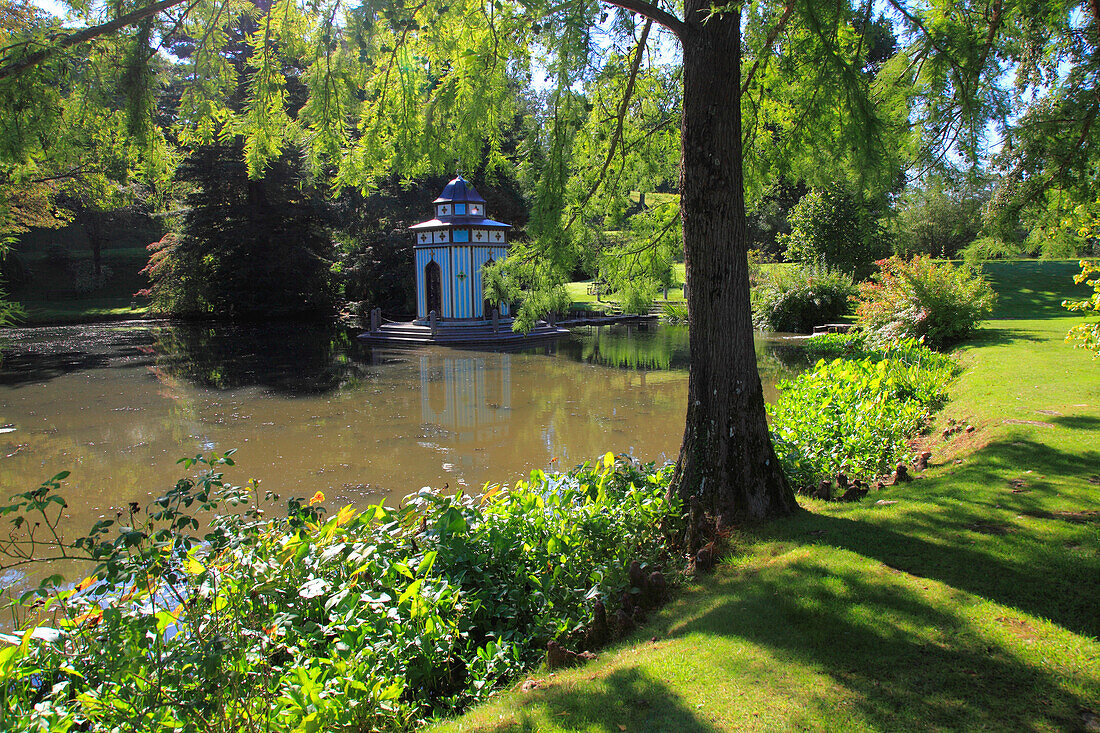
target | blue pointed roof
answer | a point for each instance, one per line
(448, 222)
(459, 190)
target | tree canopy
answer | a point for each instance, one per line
(586, 101)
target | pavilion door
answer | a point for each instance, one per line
(433, 288)
(486, 305)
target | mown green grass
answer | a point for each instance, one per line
(1033, 288)
(46, 300)
(969, 604)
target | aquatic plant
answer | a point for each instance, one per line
(205, 614)
(858, 414)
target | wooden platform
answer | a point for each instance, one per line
(462, 333)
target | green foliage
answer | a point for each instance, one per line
(246, 248)
(941, 217)
(675, 312)
(1087, 334)
(795, 299)
(638, 295)
(367, 620)
(857, 414)
(834, 345)
(830, 227)
(937, 302)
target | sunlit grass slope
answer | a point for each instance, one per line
(966, 600)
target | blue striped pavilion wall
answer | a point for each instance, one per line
(481, 255)
(462, 305)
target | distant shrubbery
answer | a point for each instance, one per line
(922, 299)
(795, 299)
(358, 621)
(833, 228)
(857, 414)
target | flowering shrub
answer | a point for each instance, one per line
(371, 620)
(1087, 334)
(922, 299)
(797, 299)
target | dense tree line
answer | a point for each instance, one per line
(730, 100)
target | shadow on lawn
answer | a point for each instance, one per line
(859, 630)
(993, 336)
(1078, 422)
(627, 699)
(986, 540)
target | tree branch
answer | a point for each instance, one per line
(623, 108)
(772, 34)
(653, 13)
(18, 67)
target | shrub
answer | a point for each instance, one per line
(1087, 334)
(368, 620)
(923, 299)
(830, 227)
(795, 299)
(637, 295)
(858, 414)
(835, 345)
(676, 312)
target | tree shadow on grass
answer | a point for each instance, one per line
(907, 662)
(986, 540)
(993, 336)
(626, 699)
(1078, 422)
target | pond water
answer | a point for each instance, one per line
(311, 409)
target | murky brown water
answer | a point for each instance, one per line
(310, 409)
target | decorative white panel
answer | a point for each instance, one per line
(475, 209)
(480, 235)
(442, 237)
(424, 238)
(443, 209)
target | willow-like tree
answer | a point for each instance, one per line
(769, 88)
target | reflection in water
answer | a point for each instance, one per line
(291, 358)
(641, 346)
(467, 396)
(308, 408)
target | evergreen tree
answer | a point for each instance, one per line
(246, 247)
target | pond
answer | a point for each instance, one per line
(310, 409)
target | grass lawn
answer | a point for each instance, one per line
(967, 600)
(115, 300)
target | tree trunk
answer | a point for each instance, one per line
(727, 469)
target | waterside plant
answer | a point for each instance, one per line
(857, 413)
(205, 614)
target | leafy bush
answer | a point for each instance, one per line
(638, 295)
(922, 299)
(835, 345)
(832, 228)
(795, 299)
(358, 621)
(676, 312)
(1087, 334)
(941, 216)
(858, 414)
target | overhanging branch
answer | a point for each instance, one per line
(764, 52)
(624, 107)
(654, 13)
(33, 59)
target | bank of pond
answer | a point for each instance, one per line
(218, 606)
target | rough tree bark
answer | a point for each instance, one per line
(727, 467)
